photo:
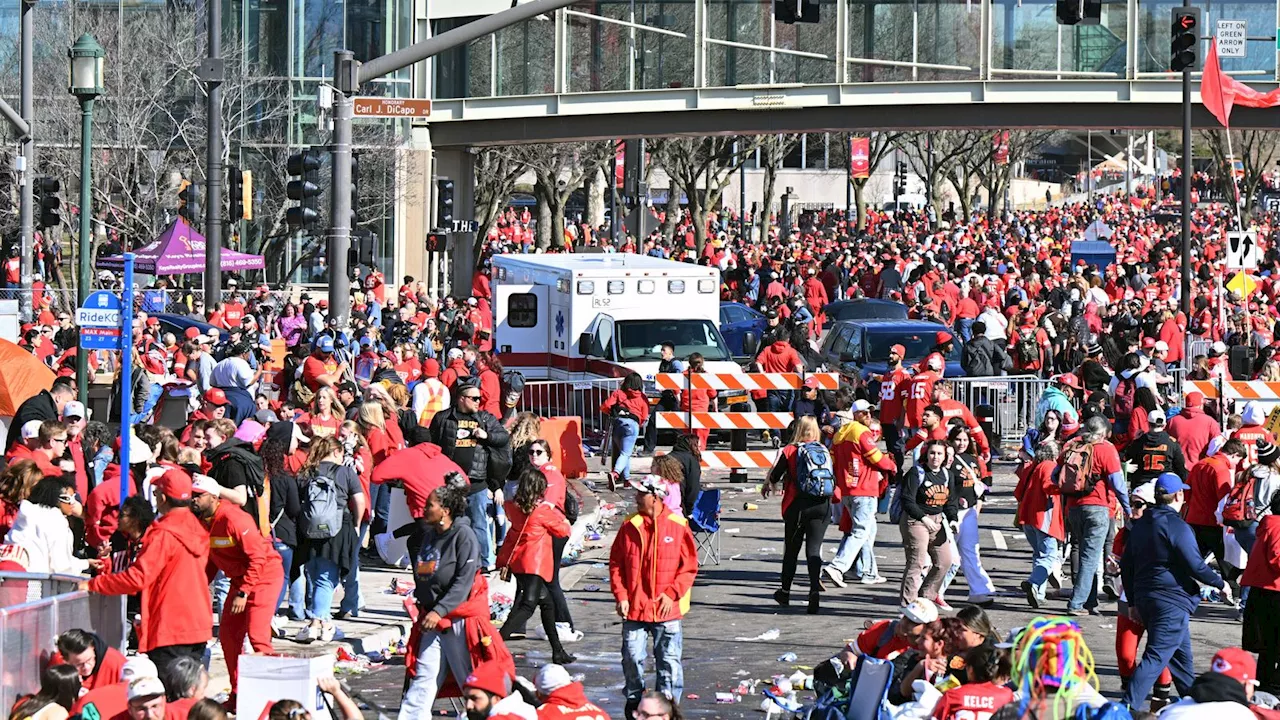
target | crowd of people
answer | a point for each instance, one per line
(263, 504)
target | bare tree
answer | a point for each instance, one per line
(934, 155)
(497, 170)
(996, 177)
(1255, 150)
(558, 170)
(701, 167)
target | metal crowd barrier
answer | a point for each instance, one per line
(34, 609)
(580, 398)
(1012, 400)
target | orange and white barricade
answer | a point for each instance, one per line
(1246, 390)
(740, 382)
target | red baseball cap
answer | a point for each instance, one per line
(215, 396)
(192, 332)
(1237, 664)
(431, 368)
(1148, 342)
(1195, 399)
(942, 337)
(175, 484)
(898, 350)
(491, 678)
(811, 383)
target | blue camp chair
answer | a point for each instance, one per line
(705, 523)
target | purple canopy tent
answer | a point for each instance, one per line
(180, 251)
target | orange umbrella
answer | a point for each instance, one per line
(24, 377)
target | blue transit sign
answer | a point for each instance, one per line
(99, 321)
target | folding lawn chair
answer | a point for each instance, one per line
(871, 678)
(705, 523)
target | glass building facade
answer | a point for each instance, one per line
(285, 46)
(619, 45)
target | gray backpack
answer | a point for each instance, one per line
(321, 516)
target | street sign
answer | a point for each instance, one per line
(392, 107)
(1242, 250)
(465, 226)
(99, 321)
(1242, 284)
(1231, 38)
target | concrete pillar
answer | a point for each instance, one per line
(459, 165)
(413, 207)
(596, 190)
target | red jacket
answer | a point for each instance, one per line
(491, 392)
(242, 553)
(102, 507)
(527, 547)
(484, 644)
(170, 574)
(570, 703)
(858, 462)
(633, 400)
(1039, 504)
(105, 673)
(1263, 569)
(453, 372)
(1192, 428)
(1210, 481)
(1250, 435)
(420, 470)
(652, 557)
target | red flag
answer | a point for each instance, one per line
(860, 157)
(1217, 100)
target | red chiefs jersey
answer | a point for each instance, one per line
(890, 396)
(977, 701)
(919, 396)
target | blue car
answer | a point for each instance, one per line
(859, 349)
(736, 320)
(862, 309)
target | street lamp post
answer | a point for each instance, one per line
(86, 58)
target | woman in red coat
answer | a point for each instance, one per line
(1041, 514)
(629, 409)
(1262, 612)
(527, 553)
(698, 399)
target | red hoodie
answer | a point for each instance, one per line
(1193, 429)
(570, 703)
(102, 507)
(241, 552)
(420, 469)
(633, 400)
(170, 574)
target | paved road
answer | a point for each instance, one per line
(734, 600)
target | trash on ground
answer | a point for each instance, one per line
(726, 698)
(691, 696)
(732, 531)
(592, 588)
(787, 657)
(770, 634)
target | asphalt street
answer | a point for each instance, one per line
(733, 603)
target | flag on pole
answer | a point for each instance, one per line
(1220, 92)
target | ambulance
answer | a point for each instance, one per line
(579, 317)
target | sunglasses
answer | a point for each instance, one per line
(536, 451)
(470, 397)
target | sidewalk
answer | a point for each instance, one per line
(384, 622)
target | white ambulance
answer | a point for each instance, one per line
(582, 316)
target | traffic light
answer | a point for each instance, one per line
(189, 200)
(793, 11)
(235, 194)
(437, 242)
(1184, 39)
(902, 169)
(47, 189)
(444, 204)
(304, 169)
(355, 189)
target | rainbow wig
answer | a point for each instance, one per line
(1051, 662)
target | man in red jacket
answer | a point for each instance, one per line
(239, 550)
(1193, 428)
(99, 664)
(652, 566)
(859, 465)
(418, 470)
(1210, 480)
(562, 698)
(170, 574)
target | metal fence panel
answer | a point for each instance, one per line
(1012, 400)
(34, 610)
(575, 398)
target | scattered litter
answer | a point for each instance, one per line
(1107, 627)
(750, 506)
(770, 634)
(592, 588)
(401, 586)
(725, 698)
(787, 657)
(598, 566)
(691, 696)
(740, 673)
(732, 531)
(768, 550)
(578, 677)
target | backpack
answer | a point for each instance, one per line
(513, 382)
(975, 361)
(814, 476)
(1122, 405)
(1075, 472)
(1026, 349)
(1239, 510)
(321, 516)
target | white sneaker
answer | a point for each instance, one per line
(306, 634)
(835, 576)
(874, 580)
(277, 626)
(327, 631)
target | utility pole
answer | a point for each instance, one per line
(211, 72)
(26, 106)
(348, 76)
(1186, 187)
